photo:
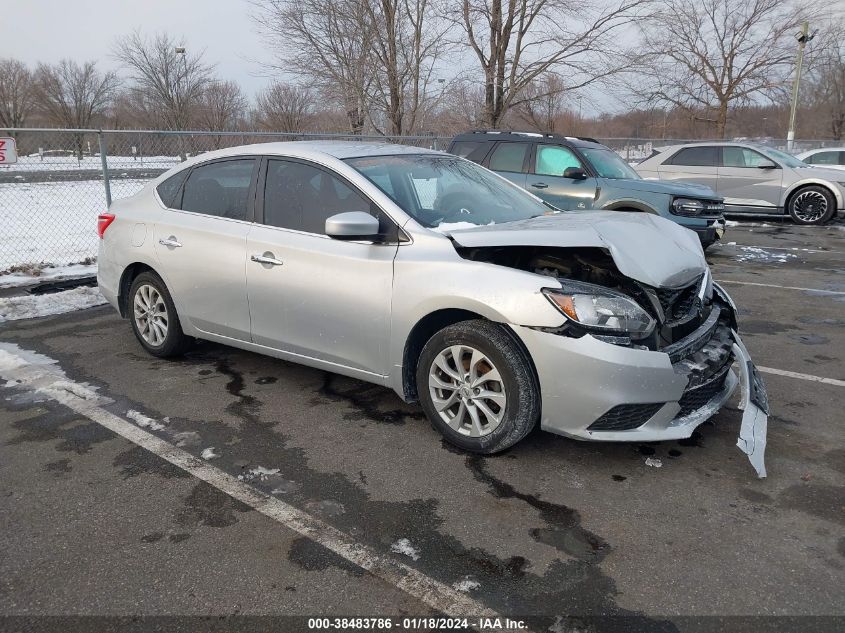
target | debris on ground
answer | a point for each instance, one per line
(654, 462)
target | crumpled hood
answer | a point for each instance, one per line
(672, 187)
(645, 247)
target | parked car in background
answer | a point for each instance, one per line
(428, 274)
(824, 157)
(580, 173)
(753, 179)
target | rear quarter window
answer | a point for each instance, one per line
(471, 150)
(169, 190)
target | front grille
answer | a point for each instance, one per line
(677, 303)
(625, 417)
(697, 397)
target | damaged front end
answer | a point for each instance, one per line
(648, 363)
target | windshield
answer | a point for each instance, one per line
(447, 192)
(787, 159)
(608, 164)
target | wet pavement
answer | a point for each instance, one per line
(93, 524)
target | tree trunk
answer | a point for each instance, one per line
(722, 119)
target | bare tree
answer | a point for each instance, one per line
(17, 93)
(827, 78)
(284, 108)
(705, 56)
(408, 38)
(542, 103)
(517, 41)
(329, 42)
(221, 107)
(167, 81)
(72, 95)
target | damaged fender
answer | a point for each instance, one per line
(755, 407)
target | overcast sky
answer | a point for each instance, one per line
(48, 30)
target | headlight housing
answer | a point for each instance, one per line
(600, 309)
(691, 206)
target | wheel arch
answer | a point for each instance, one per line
(630, 205)
(803, 184)
(427, 327)
(126, 278)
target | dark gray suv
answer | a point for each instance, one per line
(580, 173)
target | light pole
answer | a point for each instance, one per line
(180, 99)
(803, 37)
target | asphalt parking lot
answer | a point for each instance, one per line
(94, 524)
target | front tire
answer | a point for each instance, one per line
(153, 317)
(477, 387)
(811, 206)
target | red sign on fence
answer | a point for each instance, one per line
(8, 150)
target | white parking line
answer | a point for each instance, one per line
(754, 283)
(43, 375)
(795, 374)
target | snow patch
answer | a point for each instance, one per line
(208, 453)
(757, 254)
(33, 306)
(144, 421)
(466, 585)
(260, 473)
(44, 272)
(403, 546)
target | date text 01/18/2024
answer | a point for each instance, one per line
(423, 623)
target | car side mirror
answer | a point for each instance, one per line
(576, 173)
(352, 225)
(768, 165)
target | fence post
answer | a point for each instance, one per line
(104, 160)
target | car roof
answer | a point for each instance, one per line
(510, 135)
(316, 149)
(822, 149)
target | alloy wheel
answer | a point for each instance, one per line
(467, 391)
(150, 315)
(809, 206)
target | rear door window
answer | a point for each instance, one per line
(704, 156)
(509, 157)
(553, 160)
(220, 188)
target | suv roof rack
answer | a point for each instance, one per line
(550, 135)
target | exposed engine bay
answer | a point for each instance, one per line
(678, 311)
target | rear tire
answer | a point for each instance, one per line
(153, 317)
(811, 206)
(487, 399)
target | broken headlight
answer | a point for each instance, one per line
(598, 308)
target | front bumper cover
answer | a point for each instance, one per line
(583, 378)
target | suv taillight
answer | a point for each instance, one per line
(103, 221)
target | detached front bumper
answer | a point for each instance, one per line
(592, 390)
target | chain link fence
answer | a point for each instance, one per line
(50, 198)
(63, 179)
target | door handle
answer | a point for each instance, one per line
(267, 258)
(170, 241)
(540, 185)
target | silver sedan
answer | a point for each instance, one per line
(428, 274)
(753, 179)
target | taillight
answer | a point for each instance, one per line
(103, 221)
